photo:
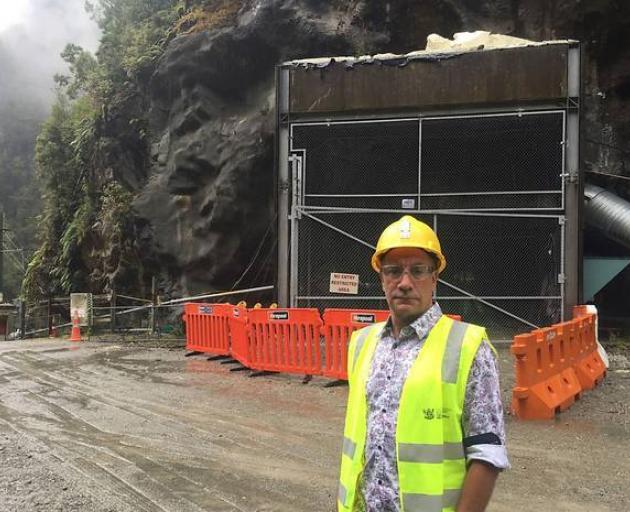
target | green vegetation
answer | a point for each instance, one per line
(95, 137)
(86, 228)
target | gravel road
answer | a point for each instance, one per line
(106, 427)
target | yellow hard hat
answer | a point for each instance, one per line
(408, 232)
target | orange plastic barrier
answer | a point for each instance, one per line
(285, 340)
(546, 382)
(554, 365)
(207, 327)
(588, 364)
(239, 335)
(339, 324)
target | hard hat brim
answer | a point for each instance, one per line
(376, 257)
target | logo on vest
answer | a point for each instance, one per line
(436, 414)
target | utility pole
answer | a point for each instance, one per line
(154, 302)
(1, 252)
(112, 309)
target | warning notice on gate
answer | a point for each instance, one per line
(344, 283)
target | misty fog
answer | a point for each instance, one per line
(29, 58)
(29, 51)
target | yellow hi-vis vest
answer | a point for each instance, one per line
(429, 445)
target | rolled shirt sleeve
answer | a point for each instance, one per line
(482, 419)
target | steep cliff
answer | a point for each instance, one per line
(190, 135)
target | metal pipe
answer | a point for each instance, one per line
(607, 212)
(137, 299)
(188, 299)
(220, 294)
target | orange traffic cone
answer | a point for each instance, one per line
(75, 335)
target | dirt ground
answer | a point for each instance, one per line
(138, 427)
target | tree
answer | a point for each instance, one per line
(86, 236)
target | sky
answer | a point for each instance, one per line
(32, 35)
(12, 12)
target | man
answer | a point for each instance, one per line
(424, 425)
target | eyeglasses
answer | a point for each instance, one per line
(416, 272)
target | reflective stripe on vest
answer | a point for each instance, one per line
(349, 447)
(361, 337)
(450, 364)
(454, 342)
(342, 493)
(429, 502)
(430, 453)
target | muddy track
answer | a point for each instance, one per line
(111, 428)
(108, 459)
(146, 459)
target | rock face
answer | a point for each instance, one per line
(210, 194)
(207, 203)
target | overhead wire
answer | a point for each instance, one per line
(258, 249)
(263, 265)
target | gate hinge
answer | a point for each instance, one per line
(562, 220)
(283, 186)
(572, 176)
(561, 278)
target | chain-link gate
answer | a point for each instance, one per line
(492, 186)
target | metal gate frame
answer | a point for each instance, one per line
(483, 299)
(298, 156)
(569, 216)
(296, 161)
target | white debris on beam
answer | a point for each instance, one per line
(437, 47)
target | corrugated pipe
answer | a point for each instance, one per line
(607, 212)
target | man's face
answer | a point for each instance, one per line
(409, 293)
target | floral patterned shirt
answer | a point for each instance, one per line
(482, 419)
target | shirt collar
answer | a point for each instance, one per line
(420, 326)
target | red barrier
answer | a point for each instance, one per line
(207, 328)
(339, 324)
(239, 335)
(282, 340)
(285, 340)
(546, 382)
